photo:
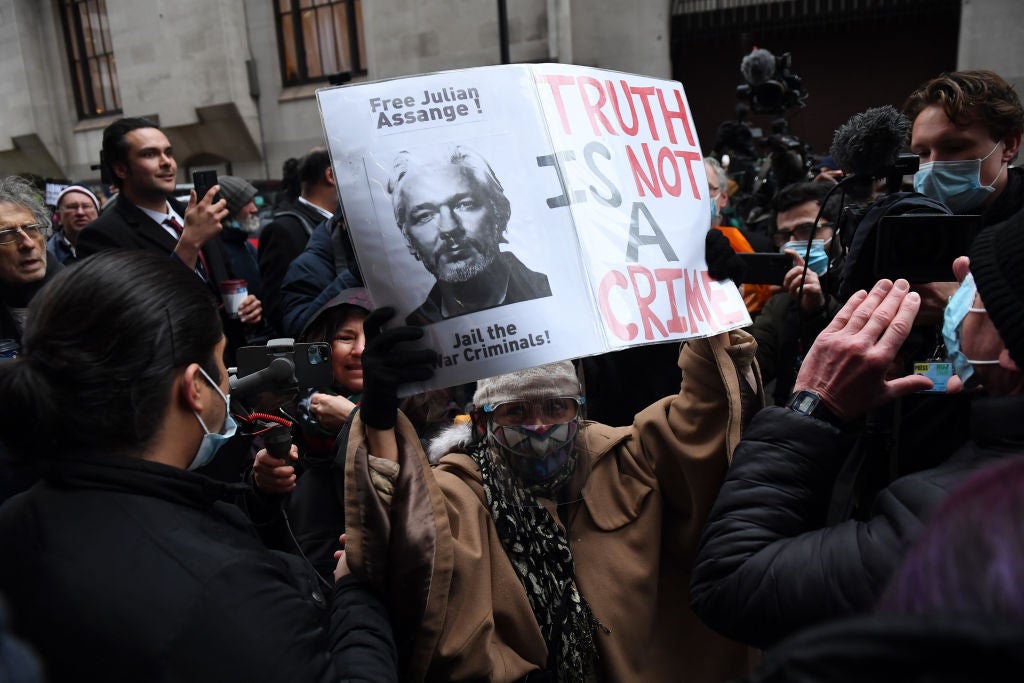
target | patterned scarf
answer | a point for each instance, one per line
(539, 551)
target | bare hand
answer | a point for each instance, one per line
(341, 569)
(813, 299)
(848, 362)
(250, 310)
(330, 411)
(272, 475)
(202, 222)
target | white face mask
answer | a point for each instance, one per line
(212, 442)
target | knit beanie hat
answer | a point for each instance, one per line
(997, 263)
(237, 192)
(553, 379)
(80, 189)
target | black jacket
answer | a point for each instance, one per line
(281, 241)
(317, 275)
(768, 565)
(120, 569)
(930, 648)
(126, 226)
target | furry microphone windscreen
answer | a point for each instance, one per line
(758, 66)
(870, 141)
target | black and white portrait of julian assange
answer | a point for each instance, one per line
(454, 214)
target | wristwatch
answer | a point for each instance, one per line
(810, 404)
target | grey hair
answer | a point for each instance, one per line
(458, 155)
(716, 166)
(16, 190)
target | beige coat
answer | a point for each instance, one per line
(459, 609)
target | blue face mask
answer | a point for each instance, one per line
(211, 442)
(714, 212)
(817, 260)
(957, 184)
(960, 305)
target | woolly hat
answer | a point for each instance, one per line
(80, 189)
(997, 263)
(553, 379)
(237, 192)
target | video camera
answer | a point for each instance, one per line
(267, 377)
(280, 368)
(770, 87)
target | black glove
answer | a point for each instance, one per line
(385, 367)
(721, 259)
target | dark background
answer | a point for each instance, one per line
(848, 60)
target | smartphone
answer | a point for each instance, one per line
(922, 247)
(312, 361)
(765, 268)
(203, 181)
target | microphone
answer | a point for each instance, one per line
(280, 372)
(868, 146)
(758, 66)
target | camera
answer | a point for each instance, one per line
(771, 87)
(281, 368)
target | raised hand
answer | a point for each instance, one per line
(849, 361)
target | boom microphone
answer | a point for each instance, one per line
(869, 144)
(758, 66)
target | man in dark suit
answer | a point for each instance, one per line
(142, 166)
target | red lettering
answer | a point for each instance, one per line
(645, 99)
(677, 323)
(676, 186)
(651, 178)
(679, 113)
(556, 82)
(593, 109)
(634, 127)
(695, 301)
(690, 158)
(643, 301)
(614, 278)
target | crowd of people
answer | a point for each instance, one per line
(824, 495)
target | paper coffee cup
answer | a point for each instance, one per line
(232, 292)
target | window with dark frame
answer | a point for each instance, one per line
(91, 57)
(320, 40)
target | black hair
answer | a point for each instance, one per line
(312, 167)
(325, 325)
(115, 147)
(102, 345)
(290, 179)
(798, 193)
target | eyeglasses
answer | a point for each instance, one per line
(33, 231)
(71, 208)
(801, 232)
(548, 411)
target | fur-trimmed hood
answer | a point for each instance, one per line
(452, 439)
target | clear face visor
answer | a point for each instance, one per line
(534, 447)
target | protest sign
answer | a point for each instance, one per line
(528, 213)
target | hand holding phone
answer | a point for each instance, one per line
(203, 181)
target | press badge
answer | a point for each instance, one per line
(937, 371)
